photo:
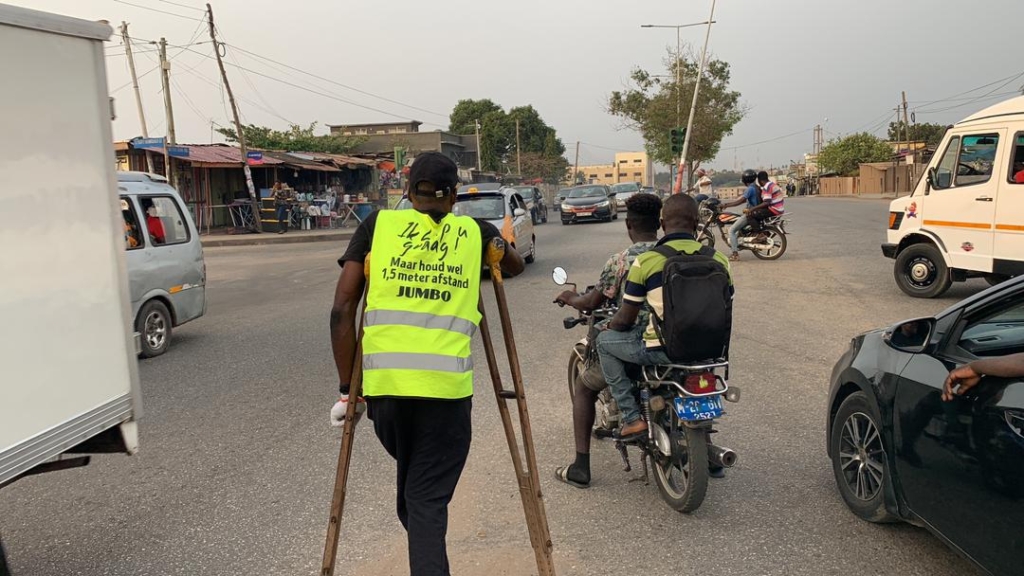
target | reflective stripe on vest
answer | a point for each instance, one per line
(422, 306)
(420, 320)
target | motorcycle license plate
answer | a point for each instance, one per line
(697, 409)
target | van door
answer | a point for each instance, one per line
(1009, 234)
(960, 207)
(175, 256)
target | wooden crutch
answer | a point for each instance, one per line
(526, 472)
(355, 390)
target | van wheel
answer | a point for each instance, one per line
(154, 324)
(921, 272)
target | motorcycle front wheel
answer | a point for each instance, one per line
(682, 478)
(777, 239)
(706, 236)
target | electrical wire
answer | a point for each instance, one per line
(182, 5)
(158, 10)
(354, 89)
(140, 77)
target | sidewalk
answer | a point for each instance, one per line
(292, 237)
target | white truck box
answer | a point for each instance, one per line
(68, 367)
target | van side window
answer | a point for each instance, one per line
(944, 173)
(132, 230)
(1017, 166)
(165, 223)
(977, 159)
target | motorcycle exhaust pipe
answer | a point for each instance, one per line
(721, 456)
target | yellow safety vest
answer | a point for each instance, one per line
(422, 306)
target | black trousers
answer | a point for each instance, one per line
(429, 440)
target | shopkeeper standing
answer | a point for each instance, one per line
(421, 313)
(283, 198)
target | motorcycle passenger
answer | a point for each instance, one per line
(752, 196)
(626, 340)
(642, 219)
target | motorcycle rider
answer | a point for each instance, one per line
(773, 199)
(643, 212)
(626, 340)
(752, 196)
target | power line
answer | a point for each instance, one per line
(183, 5)
(158, 10)
(141, 76)
(1010, 77)
(354, 89)
(328, 95)
(804, 131)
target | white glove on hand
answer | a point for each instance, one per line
(340, 410)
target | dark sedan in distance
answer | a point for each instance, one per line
(593, 202)
(901, 453)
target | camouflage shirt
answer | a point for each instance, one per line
(613, 276)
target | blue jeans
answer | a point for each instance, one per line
(615, 350)
(282, 216)
(734, 232)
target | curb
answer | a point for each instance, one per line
(272, 238)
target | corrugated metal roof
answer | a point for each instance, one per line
(215, 154)
(300, 161)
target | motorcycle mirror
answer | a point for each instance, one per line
(559, 276)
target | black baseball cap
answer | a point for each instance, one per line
(437, 169)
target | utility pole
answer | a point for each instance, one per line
(576, 165)
(165, 77)
(693, 106)
(135, 84)
(519, 159)
(479, 151)
(906, 117)
(256, 212)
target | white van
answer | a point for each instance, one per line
(166, 271)
(966, 217)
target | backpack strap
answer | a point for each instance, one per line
(668, 251)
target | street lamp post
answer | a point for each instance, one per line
(679, 87)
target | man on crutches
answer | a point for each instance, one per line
(422, 298)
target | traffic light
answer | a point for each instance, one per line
(675, 139)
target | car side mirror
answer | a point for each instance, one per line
(559, 276)
(932, 177)
(911, 336)
(519, 212)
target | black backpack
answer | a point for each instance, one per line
(697, 317)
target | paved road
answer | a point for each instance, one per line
(237, 460)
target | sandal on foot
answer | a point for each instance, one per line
(734, 257)
(562, 475)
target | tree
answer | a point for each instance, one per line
(296, 138)
(649, 105)
(465, 114)
(541, 151)
(844, 156)
(930, 133)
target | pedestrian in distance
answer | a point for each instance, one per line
(422, 296)
(283, 198)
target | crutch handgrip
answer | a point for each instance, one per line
(495, 253)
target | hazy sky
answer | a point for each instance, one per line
(796, 62)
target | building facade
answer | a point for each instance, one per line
(384, 138)
(628, 167)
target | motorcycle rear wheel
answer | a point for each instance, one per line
(778, 239)
(682, 478)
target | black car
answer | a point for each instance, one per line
(590, 202)
(900, 453)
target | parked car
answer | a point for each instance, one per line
(589, 202)
(535, 202)
(623, 192)
(901, 453)
(648, 190)
(166, 271)
(506, 209)
(965, 217)
(404, 203)
(560, 197)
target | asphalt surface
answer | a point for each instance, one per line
(237, 460)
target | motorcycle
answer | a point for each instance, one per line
(769, 243)
(680, 403)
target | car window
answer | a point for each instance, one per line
(996, 333)
(165, 223)
(132, 230)
(1017, 166)
(944, 172)
(483, 207)
(977, 159)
